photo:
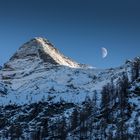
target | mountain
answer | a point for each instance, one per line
(35, 55)
(45, 95)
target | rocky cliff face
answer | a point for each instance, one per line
(45, 95)
(42, 51)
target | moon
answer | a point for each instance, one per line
(104, 52)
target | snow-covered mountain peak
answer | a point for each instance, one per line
(36, 53)
(33, 48)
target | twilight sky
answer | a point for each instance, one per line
(78, 28)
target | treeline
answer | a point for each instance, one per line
(109, 120)
(115, 109)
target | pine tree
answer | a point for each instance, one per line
(135, 70)
(88, 106)
(15, 131)
(91, 124)
(123, 105)
(83, 125)
(44, 131)
(74, 118)
(105, 102)
(61, 129)
(137, 129)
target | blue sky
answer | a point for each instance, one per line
(78, 28)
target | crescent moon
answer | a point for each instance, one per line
(104, 52)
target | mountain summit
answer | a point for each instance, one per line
(39, 50)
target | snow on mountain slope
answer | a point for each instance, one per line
(36, 54)
(37, 71)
